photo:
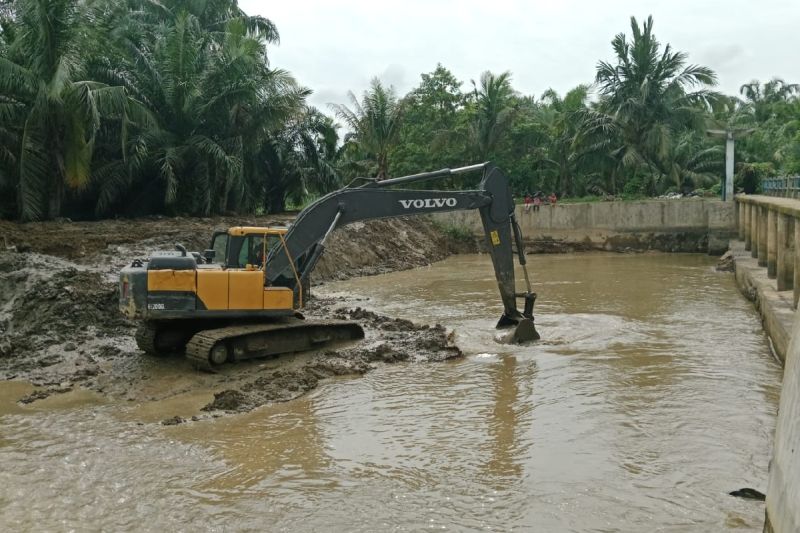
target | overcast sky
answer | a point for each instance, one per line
(332, 47)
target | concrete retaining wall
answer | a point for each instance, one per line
(783, 492)
(688, 225)
(767, 260)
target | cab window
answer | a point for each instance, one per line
(250, 250)
(219, 244)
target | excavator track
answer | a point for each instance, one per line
(211, 348)
(146, 338)
(161, 338)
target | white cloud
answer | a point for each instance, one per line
(334, 47)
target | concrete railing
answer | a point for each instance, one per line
(770, 231)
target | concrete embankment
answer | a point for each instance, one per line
(687, 225)
(783, 492)
(767, 263)
(774, 306)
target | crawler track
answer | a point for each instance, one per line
(146, 338)
(237, 343)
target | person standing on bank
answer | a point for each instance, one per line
(528, 202)
(552, 198)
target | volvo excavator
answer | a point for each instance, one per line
(241, 298)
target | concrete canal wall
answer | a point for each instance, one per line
(685, 225)
(783, 491)
(767, 263)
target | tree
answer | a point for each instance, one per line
(375, 125)
(563, 119)
(49, 113)
(772, 99)
(430, 134)
(202, 68)
(493, 112)
(300, 162)
(648, 96)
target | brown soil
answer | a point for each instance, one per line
(60, 327)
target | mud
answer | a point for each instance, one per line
(388, 340)
(60, 327)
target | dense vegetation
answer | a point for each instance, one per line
(112, 107)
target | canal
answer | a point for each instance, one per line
(652, 395)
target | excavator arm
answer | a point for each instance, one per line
(291, 264)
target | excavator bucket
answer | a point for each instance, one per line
(525, 331)
(517, 330)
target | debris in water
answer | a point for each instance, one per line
(749, 494)
(725, 263)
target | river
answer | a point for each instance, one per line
(652, 394)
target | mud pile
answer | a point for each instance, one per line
(389, 340)
(53, 313)
(60, 327)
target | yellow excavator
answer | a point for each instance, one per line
(241, 297)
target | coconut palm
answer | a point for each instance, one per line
(493, 112)
(375, 125)
(647, 96)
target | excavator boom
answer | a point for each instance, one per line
(290, 266)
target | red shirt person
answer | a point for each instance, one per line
(552, 198)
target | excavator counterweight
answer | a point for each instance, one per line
(240, 298)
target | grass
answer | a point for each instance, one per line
(454, 232)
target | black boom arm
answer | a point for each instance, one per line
(306, 237)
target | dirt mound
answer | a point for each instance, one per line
(45, 301)
(363, 248)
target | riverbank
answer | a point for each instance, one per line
(60, 329)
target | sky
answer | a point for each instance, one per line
(336, 47)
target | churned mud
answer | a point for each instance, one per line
(388, 340)
(60, 328)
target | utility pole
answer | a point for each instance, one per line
(730, 139)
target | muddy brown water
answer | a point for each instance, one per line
(652, 395)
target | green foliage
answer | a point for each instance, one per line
(749, 175)
(134, 107)
(375, 126)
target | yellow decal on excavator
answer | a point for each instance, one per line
(495, 237)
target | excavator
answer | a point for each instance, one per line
(241, 298)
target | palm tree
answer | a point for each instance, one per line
(770, 99)
(562, 119)
(648, 96)
(375, 125)
(299, 162)
(49, 113)
(202, 68)
(493, 112)
(693, 163)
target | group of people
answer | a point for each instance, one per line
(536, 200)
